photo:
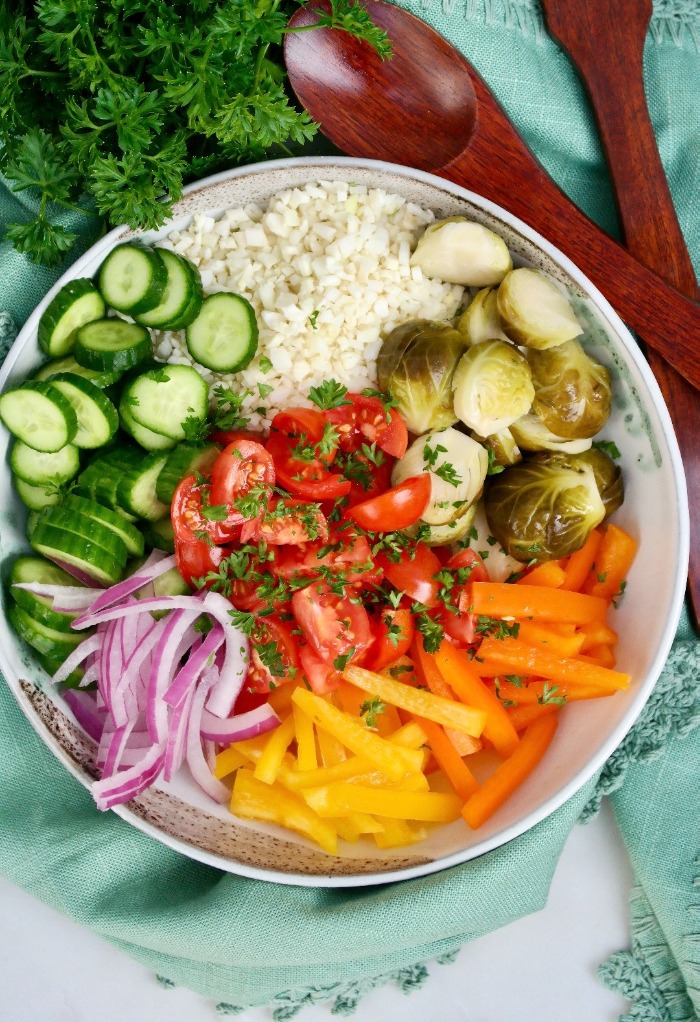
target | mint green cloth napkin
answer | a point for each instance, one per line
(243, 942)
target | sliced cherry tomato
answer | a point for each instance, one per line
(321, 676)
(273, 655)
(398, 508)
(345, 552)
(232, 436)
(301, 467)
(414, 573)
(336, 628)
(367, 479)
(393, 635)
(259, 590)
(196, 558)
(366, 421)
(240, 466)
(188, 513)
(459, 623)
(286, 521)
(469, 558)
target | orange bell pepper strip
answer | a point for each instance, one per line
(503, 599)
(534, 691)
(522, 716)
(517, 657)
(451, 763)
(580, 563)
(460, 674)
(612, 564)
(511, 773)
(603, 656)
(428, 673)
(597, 634)
(541, 635)
(548, 573)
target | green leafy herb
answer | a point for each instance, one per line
(312, 319)
(329, 394)
(341, 661)
(431, 630)
(549, 695)
(370, 710)
(194, 429)
(608, 447)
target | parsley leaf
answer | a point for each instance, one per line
(370, 710)
(329, 394)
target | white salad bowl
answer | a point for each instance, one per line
(655, 511)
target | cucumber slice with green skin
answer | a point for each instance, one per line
(224, 336)
(39, 415)
(36, 498)
(160, 534)
(114, 520)
(99, 480)
(182, 298)
(69, 365)
(163, 399)
(84, 528)
(36, 569)
(98, 419)
(47, 641)
(149, 440)
(112, 344)
(74, 679)
(80, 553)
(132, 279)
(77, 303)
(40, 469)
(137, 489)
(183, 461)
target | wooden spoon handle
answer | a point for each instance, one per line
(607, 46)
(662, 317)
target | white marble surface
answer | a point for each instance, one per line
(538, 969)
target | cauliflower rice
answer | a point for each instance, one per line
(327, 269)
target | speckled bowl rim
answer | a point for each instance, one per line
(31, 700)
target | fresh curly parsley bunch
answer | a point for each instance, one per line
(107, 106)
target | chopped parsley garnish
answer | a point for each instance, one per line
(228, 405)
(549, 696)
(608, 447)
(265, 364)
(312, 319)
(431, 630)
(341, 661)
(431, 454)
(496, 628)
(370, 710)
(194, 429)
(449, 473)
(329, 394)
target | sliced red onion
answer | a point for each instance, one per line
(152, 568)
(112, 791)
(196, 663)
(65, 599)
(89, 645)
(177, 739)
(196, 761)
(82, 576)
(86, 712)
(236, 729)
(176, 639)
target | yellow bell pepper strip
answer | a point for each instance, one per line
(460, 674)
(352, 700)
(269, 763)
(254, 800)
(451, 763)
(331, 750)
(398, 834)
(228, 761)
(511, 773)
(443, 711)
(430, 676)
(351, 767)
(343, 798)
(516, 657)
(389, 758)
(306, 740)
(505, 600)
(411, 735)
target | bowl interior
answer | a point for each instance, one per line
(654, 511)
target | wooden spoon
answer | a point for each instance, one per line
(428, 108)
(605, 40)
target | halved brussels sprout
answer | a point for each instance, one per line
(416, 364)
(573, 395)
(530, 433)
(608, 475)
(480, 321)
(503, 448)
(543, 508)
(457, 466)
(500, 564)
(460, 251)
(533, 310)
(443, 535)
(492, 387)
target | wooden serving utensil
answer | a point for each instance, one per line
(605, 40)
(428, 108)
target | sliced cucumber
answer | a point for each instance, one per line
(100, 479)
(41, 469)
(61, 545)
(39, 415)
(170, 583)
(74, 679)
(224, 336)
(69, 365)
(112, 344)
(149, 440)
(132, 279)
(85, 528)
(37, 497)
(183, 461)
(182, 298)
(160, 534)
(77, 303)
(137, 488)
(45, 640)
(98, 419)
(36, 569)
(129, 534)
(162, 399)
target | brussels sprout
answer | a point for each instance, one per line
(530, 433)
(608, 475)
(416, 364)
(533, 310)
(543, 508)
(500, 564)
(480, 321)
(443, 535)
(501, 448)
(572, 392)
(492, 387)
(460, 251)
(457, 466)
